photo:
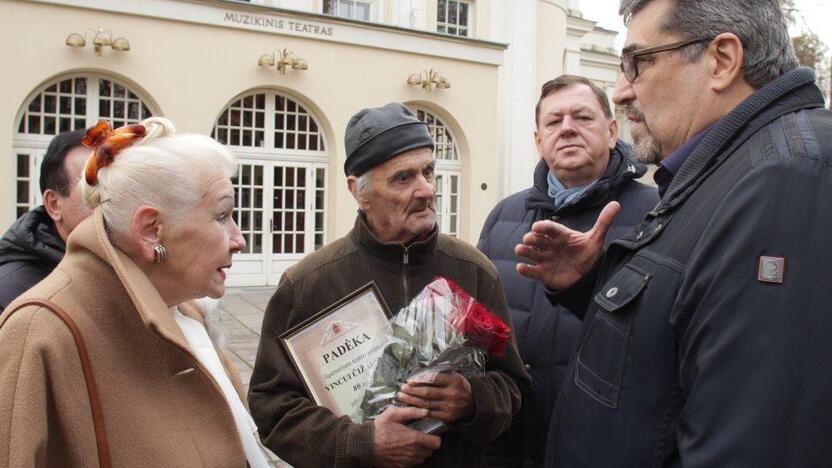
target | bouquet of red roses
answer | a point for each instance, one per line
(443, 329)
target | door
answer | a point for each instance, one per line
(27, 179)
(281, 213)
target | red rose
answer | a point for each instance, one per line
(480, 326)
(484, 329)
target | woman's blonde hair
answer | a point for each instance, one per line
(168, 171)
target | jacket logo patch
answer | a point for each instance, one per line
(771, 269)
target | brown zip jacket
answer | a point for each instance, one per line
(307, 435)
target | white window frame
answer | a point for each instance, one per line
(269, 156)
(445, 27)
(446, 169)
(338, 4)
(36, 144)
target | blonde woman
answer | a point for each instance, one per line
(161, 235)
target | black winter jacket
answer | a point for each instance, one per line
(707, 342)
(545, 334)
(29, 251)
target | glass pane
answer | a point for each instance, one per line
(66, 86)
(104, 88)
(257, 244)
(319, 221)
(23, 165)
(258, 198)
(22, 191)
(290, 176)
(452, 19)
(441, 8)
(290, 199)
(49, 103)
(301, 221)
(66, 105)
(65, 124)
(245, 221)
(118, 109)
(133, 111)
(319, 199)
(34, 124)
(329, 7)
(34, 106)
(118, 90)
(299, 247)
(277, 243)
(463, 14)
(49, 125)
(362, 11)
(258, 175)
(319, 241)
(80, 86)
(301, 177)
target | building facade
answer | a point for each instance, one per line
(277, 80)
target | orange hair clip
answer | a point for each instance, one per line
(106, 144)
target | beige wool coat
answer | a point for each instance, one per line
(161, 406)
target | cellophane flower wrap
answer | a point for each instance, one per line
(443, 329)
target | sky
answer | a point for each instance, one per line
(814, 14)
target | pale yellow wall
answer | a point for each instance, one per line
(192, 71)
(551, 41)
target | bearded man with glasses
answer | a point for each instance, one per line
(705, 337)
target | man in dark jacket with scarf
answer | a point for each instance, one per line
(36, 241)
(582, 167)
(706, 341)
(395, 243)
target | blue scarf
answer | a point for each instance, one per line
(562, 195)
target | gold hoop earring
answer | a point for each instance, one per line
(160, 253)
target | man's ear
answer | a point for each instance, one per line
(538, 143)
(145, 231)
(52, 203)
(727, 55)
(352, 184)
(613, 133)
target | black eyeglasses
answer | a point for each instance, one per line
(629, 61)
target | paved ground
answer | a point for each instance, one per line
(243, 310)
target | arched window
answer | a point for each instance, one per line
(448, 173)
(73, 102)
(281, 183)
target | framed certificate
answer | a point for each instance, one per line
(334, 351)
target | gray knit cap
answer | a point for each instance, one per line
(375, 135)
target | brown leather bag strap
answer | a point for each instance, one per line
(92, 388)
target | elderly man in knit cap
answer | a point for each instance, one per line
(390, 172)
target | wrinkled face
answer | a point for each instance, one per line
(201, 245)
(668, 91)
(400, 201)
(72, 206)
(574, 136)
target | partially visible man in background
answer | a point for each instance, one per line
(582, 167)
(36, 242)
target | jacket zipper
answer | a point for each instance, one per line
(405, 261)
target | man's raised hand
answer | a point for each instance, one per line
(560, 256)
